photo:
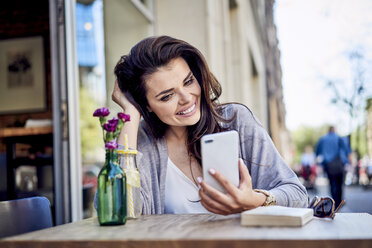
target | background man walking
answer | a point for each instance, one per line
(334, 155)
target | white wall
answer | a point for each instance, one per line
(184, 20)
(124, 26)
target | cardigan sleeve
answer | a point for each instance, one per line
(152, 171)
(267, 168)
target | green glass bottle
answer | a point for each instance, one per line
(112, 192)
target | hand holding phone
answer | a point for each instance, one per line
(220, 151)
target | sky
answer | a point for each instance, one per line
(315, 40)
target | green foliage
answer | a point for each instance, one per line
(90, 130)
(304, 136)
(359, 141)
(369, 103)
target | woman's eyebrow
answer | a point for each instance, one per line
(164, 92)
(187, 77)
(169, 90)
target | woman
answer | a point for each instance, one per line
(167, 82)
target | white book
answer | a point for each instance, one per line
(276, 216)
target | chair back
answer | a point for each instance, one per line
(24, 215)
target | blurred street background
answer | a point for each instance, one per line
(327, 82)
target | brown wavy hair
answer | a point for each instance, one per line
(145, 58)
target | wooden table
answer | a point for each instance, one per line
(202, 230)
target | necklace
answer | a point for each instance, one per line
(192, 174)
(193, 178)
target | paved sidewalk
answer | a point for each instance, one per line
(358, 199)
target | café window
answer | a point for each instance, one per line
(92, 93)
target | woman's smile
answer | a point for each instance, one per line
(189, 111)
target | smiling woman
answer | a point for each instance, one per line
(167, 82)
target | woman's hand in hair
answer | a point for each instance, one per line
(130, 128)
(236, 199)
(119, 98)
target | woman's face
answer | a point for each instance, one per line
(173, 94)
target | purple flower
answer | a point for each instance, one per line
(111, 145)
(109, 127)
(114, 121)
(101, 112)
(124, 117)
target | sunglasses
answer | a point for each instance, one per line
(324, 207)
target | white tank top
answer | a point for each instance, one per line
(181, 194)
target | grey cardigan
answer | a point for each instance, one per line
(267, 168)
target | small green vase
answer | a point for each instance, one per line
(112, 192)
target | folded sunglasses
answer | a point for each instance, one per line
(325, 207)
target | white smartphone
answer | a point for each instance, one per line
(220, 151)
